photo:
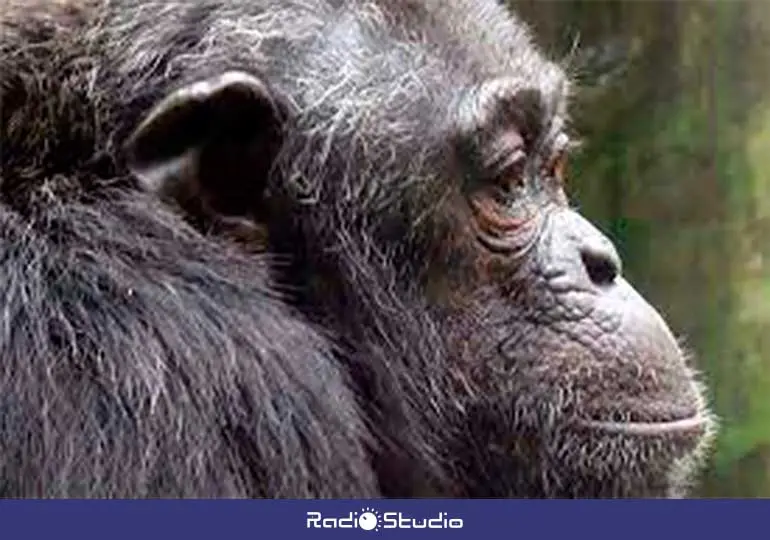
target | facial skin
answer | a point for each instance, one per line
(400, 164)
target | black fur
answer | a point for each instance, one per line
(372, 345)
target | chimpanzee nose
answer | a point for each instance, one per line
(586, 253)
(601, 260)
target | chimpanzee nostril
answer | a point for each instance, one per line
(602, 265)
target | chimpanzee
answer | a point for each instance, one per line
(312, 248)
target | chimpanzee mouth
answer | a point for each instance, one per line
(693, 425)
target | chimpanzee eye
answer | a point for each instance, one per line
(511, 172)
(557, 166)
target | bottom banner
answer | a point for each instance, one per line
(457, 519)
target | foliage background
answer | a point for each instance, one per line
(674, 106)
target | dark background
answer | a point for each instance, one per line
(674, 107)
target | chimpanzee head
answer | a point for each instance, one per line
(409, 158)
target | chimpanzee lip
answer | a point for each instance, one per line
(693, 424)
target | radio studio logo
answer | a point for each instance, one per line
(370, 519)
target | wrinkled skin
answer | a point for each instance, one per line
(402, 159)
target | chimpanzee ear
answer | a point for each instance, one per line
(210, 145)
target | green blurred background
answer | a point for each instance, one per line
(674, 106)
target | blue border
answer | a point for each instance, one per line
(287, 520)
